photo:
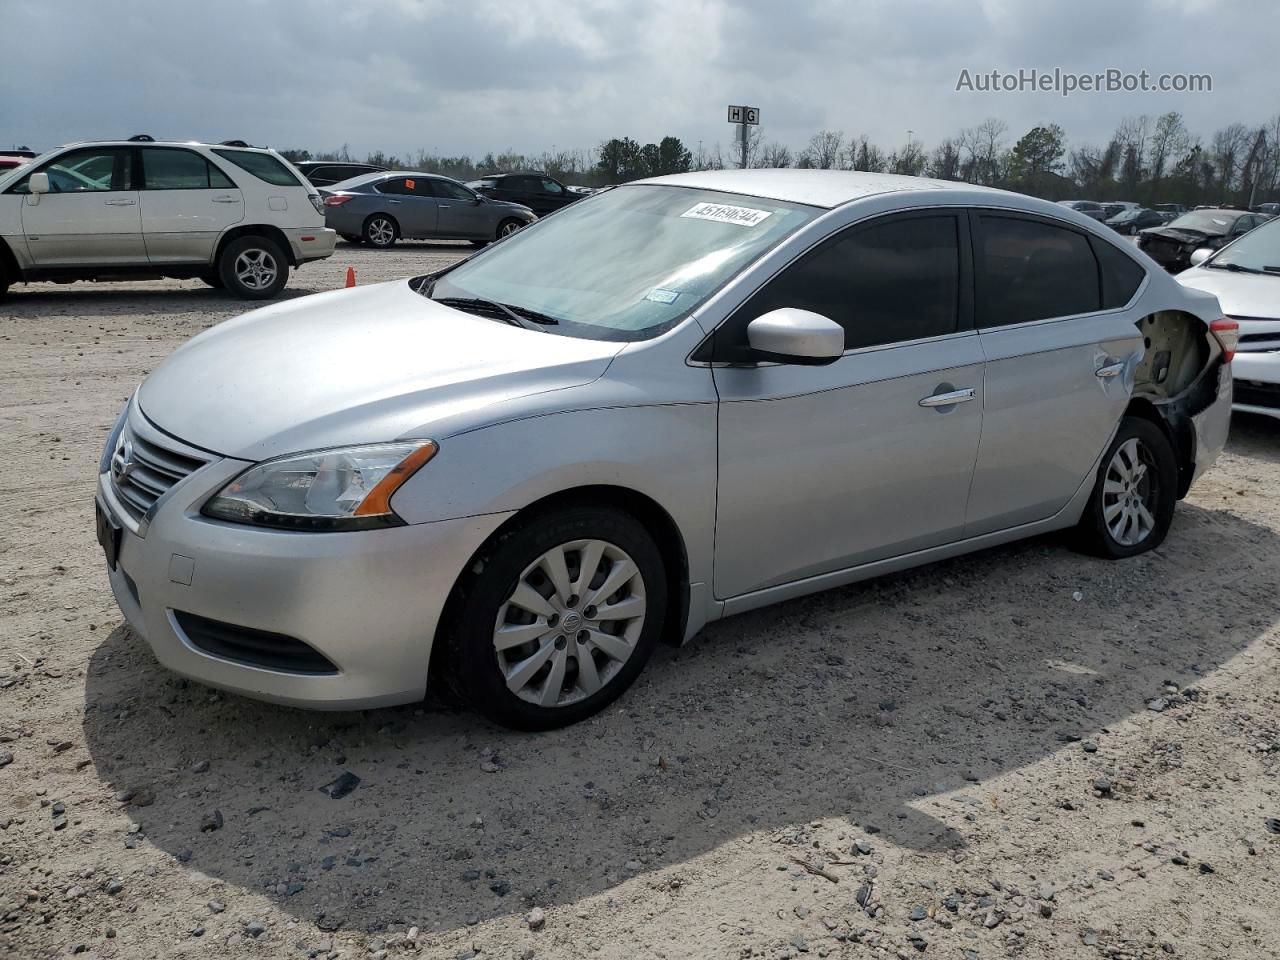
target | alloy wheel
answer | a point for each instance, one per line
(571, 622)
(256, 269)
(1129, 494)
(507, 229)
(381, 232)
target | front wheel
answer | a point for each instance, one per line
(560, 619)
(1134, 495)
(507, 227)
(253, 268)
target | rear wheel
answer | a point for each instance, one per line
(380, 231)
(1134, 495)
(253, 268)
(560, 619)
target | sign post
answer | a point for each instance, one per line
(744, 117)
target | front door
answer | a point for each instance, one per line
(461, 217)
(824, 468)
(90, 216)
(187, 203)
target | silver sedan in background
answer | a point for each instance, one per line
(381, 208)
(671, 402)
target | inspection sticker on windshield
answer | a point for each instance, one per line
(658, 295)
(723, 213)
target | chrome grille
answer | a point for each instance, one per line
(144, 468)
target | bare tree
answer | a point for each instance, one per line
(862, 154)
(823, 151)
(944, 164)
(774, 154)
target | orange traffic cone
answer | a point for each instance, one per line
(351, 276)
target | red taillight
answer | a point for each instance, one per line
(1227, 332)
(336, 200)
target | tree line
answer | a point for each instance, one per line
(1147, 160)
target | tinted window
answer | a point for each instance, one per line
(164, 169)
(452, 191)
(406, 187)
(520, 184)
(261, 165)
(550, 186)
(89, 170)
(1028, 270)
(1121, 274)
(884, 283)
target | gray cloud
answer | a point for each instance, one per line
(399, 75)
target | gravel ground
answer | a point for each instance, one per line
(1020, 753)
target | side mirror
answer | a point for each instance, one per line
(38, 183)
(791, 335)
(1200, 256)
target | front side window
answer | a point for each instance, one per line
(550, 186)
(1030, 270)
(884, 282)
(169, 169)
(262, 165)
(88, 170)
(452, 191)
(626, 264)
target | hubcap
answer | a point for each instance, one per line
(572, 621)
(256, 269)
(1129, 494)
(508, 229)
(381, 232)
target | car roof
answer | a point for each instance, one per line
(819, 188)
(161, 143)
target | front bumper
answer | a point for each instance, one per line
(1257, 382)
(310, 243)
(369, 601)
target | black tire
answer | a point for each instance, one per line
(213, 280)
(375, 234)
(259, 250)
(470, 662)
(508, 227)
(4, 277)
(1156, 494)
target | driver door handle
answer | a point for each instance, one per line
(1112, 369)
(120, 202)
(949, 398)
(224, 198)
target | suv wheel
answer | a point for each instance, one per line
(380, 231)
(1133, 498)
(253, 268)
(560, 619)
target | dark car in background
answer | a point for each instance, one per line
(1088, 207)
(381, 208)
(324, 173)
(537, 191)
(9, 161)
(1133, 219)
(1171, 246)
(1170, 211)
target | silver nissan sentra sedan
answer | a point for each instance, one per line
(671, 402)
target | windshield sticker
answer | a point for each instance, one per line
(658, 295)
(723, 213)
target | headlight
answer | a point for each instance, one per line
(347, 489)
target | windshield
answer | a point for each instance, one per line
(1259, 249)
(625, 264)
(1205, 221)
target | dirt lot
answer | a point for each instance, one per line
(1021, 753)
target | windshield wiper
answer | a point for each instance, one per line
(516, 316)
(1233, 267)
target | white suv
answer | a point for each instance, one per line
(232, 215)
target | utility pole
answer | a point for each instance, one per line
(744, 117)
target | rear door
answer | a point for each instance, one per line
(414, 205)
(90, 216)
(824, 468)
(461, 217)
(1061, 348)
(187, 203)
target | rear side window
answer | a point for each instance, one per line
(407, 187)
(884, 283)
(167, 169)
(1030, 270)
(1121, 275)
(261, 165)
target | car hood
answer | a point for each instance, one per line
(1239, 294)
(1181, 234)
(367, 365)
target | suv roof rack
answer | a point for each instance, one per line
(233, 143)
(142, 138)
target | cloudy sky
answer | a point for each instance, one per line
(478, 75)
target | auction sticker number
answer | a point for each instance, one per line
(724, 213)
